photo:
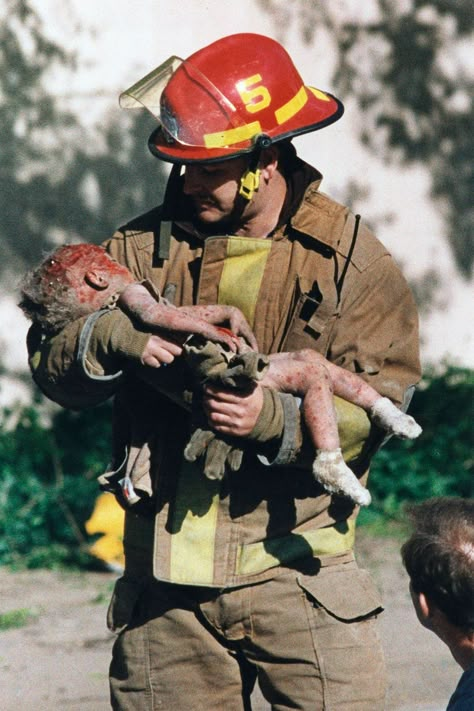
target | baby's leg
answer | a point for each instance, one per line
(305, 373)
(380, 409)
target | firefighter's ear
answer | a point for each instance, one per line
(97, 279)
(269, 162)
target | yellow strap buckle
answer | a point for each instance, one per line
(249, 183)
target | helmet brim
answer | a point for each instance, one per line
(315, 115)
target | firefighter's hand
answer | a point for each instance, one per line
(233, 412)
(160, 351)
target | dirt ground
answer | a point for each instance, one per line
(59, 659)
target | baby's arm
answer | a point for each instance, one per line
(137, 301)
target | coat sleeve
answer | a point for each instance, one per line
(82, 365)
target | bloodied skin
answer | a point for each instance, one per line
(80, 279)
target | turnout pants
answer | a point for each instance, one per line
(310, 641)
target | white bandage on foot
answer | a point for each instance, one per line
(330, 469)
(384, 414)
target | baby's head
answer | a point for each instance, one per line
(73, 281)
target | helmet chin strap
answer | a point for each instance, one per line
(250, 180)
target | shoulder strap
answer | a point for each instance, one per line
(163, 236)
(83, 347)
(340, 282)
(163, 240)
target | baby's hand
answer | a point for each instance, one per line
(239, 325)
(225, 335)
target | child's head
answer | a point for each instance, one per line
(73, 281)
(439, 559)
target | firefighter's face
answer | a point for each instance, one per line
(214, 188)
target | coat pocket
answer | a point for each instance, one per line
(122, 605)
(347, 593)
(312, 319)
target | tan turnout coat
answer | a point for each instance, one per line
(321, 289)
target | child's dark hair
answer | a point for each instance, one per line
(439, 556)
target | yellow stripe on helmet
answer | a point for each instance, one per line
(288, 110)
(221, 139)
(319, 94)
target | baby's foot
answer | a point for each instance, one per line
(330, 469)
(384, 414)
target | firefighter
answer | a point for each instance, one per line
(252, 577)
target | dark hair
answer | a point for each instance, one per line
(439, 556)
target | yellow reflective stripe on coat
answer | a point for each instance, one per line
(194, 517)
(194, 527)
(242, 273)
(333, 540)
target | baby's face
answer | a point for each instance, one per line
(91, 273)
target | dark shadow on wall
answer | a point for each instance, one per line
(61, 181)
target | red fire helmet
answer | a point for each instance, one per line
(236, 93)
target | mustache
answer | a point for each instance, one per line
(203, 198)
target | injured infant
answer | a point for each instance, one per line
(77, 280)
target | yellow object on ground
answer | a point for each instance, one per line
(107, 518)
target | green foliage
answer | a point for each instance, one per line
(439, 462)
(13, 619)
(47, 484)
(104, 594)
(27, 116)
(415, 102)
